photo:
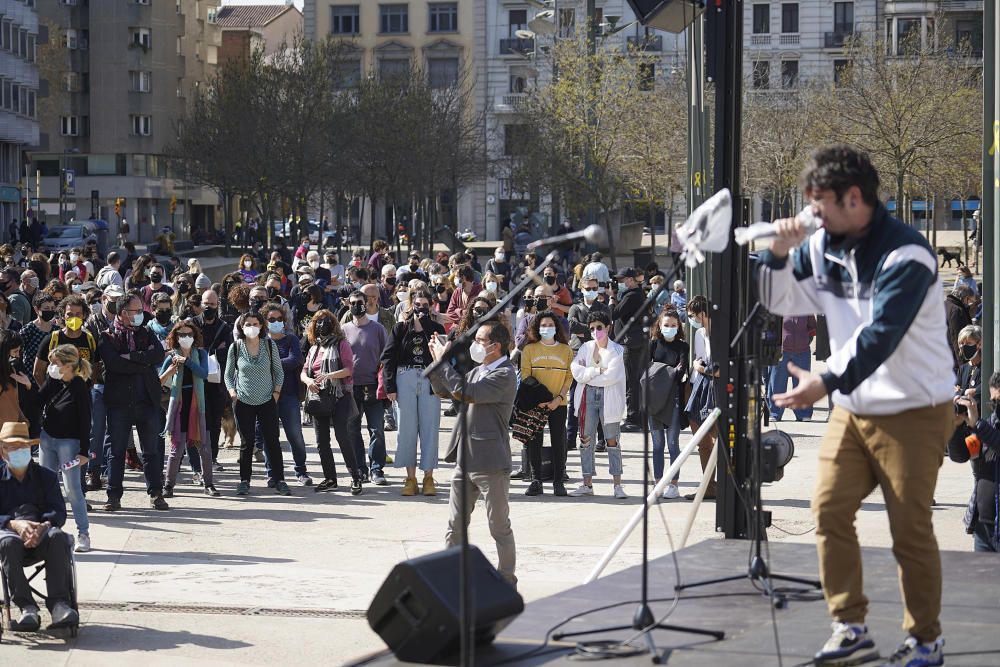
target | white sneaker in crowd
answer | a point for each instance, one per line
(620, 492)
(82, 543)
(582, 490)
(671, 492)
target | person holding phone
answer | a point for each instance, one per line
(406, 355)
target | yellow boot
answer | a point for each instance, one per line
(410, 486)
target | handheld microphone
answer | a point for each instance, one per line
(594, 234)
(767, 230)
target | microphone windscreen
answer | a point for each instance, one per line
(596, 235)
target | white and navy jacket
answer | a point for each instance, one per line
(884, 308)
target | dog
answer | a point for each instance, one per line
(947, 257)
(228, 426)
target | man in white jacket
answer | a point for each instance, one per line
(599, 370)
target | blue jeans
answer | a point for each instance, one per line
(983, 540)
(419, 414)
(778, 383)
(373, 411)
(657, 431)
(289, 412)
(53, 452)
(594, 417)
(147, 420)
(100, 438)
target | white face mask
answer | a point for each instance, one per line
(74, 257)
(491, 286)
(403, 296)
(250, 331)
(314, 265)
(500, 259)
(477, 351)
(55, 372)
(186, 342)
(247, 265)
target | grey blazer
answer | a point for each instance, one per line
(490, 399)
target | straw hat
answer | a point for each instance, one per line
(16, 433)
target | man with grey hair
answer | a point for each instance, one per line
(958, 311)
(679, 299)
(20, 301)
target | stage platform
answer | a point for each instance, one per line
(970, 614)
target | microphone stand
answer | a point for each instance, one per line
(643, 620)
(456, 350)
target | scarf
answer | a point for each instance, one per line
(196, 428)
(124, 336)
(329, 348)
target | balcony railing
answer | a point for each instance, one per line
(516, 45)
(651, 43)
(510, 102)
(760, 40)
(836, 39)
(789, 39)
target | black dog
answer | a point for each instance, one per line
(947, 257)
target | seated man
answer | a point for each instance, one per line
(32, 510)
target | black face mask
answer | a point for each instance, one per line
(550, 280)
(211, 314)
(422, 311)
(440, 289)
(272, 292)
(155, 277)
(969, 351)
(183, 288)
(390, 281)
(414, 265)
(324, 327)
(995, 404)
(478, 313)
(256, 304)
(48, 315)
(529, 304)
(163, 316)
(357, 309)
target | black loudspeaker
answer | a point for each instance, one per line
(415, 612)
(669, 15)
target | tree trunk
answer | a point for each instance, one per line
(651, 214)
(934, 221)
(899, 194)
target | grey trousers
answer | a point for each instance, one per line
(495, 489)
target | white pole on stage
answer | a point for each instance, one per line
(700, 494)
(651, 499)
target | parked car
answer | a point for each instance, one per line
(329, 235)
(67, 237)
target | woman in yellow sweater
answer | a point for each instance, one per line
(547, 358)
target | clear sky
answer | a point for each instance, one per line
(298, 3)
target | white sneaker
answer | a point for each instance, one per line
(671, 492)
(582, 490)
(196, 479)
(82, 543)
(620, 492)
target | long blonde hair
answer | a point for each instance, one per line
(69, 355)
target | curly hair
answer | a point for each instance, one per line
(468, 317)
(839, 167)
(534, 336)
(336, 331)
(174, 344)
(668, 311)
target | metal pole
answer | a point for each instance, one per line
(990, 215)
(588, 166)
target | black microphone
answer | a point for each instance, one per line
(594, 234)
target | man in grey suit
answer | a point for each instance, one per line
(489, 395)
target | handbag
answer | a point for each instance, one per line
(321, 404)
(214, 370)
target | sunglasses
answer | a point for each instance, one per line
(275, 319)
(185, 333)
(358, 303)
(599, 327)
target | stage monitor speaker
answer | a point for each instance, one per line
(669, 15)
(416, 612)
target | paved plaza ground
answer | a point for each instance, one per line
(265, 579)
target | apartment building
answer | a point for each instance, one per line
(118, 75)
(249, 27)
(19, 36)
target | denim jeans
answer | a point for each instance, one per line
(53, 452)
(657, 431)
(778, 383)
(291, 420)
(983, 539)
(593, 417)
(419, 414)
(373, 410)
(100, 436)
(147, 420)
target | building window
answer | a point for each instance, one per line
(69, 126)
(907, 36)
(518, 83)
(567, 22)
(395, 19)
(843, 18)
(140, 38)
(790, 74)
(392, 68)
(790, 17)
(761, 75)
(142, 126)
(761, 19)
(32, 109)
(345, 20)
(969, 34)
(33, 40)
(647, 76)
(839, 67)
(69, 38)
(347, 75)
(517, 19)
(140, 81)
(514, 139)
(443, 17)
(442, 72)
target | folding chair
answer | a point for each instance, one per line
(39, 567)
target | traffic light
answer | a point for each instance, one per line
(173, 205)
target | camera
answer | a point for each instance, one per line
(961, 409)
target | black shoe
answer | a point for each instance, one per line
(94, 482)
(691, 496)
(168, 492)
(158, 503)
(258, 456)
(111, 506)
(210, 490)
(326, 485)
(271, 483)
(450, 412)
(356, 486)
(558, 489)
(601, 447)
(29, 621)
(518, 474)
(630, 427)
(534, 489)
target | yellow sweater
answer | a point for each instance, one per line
(549, 364)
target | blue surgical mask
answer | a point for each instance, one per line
(19, 458)
(137, 320)
(695, 323)
(276, 327)
(669, 333)
(589, 295)
(548, 333)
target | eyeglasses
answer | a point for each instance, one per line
(599, 327)
(275, 319)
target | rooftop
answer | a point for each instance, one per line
(246, 16)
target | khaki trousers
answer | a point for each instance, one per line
(495, 489)
(900, 454)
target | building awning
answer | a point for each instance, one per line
(916, 205)
(970, 204)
